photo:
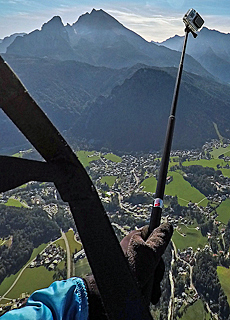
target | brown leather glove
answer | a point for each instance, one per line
(144, 257)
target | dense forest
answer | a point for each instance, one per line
(25, 229)
(165, 285)
(208, 286)
(199, 177)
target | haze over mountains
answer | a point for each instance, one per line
(97, 39)
(103, 83)
(211, 48)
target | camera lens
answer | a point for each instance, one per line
(198, 21)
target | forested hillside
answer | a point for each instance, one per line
(25, 229)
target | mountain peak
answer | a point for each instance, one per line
(54, 23)
(98, 19)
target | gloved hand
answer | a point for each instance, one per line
(144, 257)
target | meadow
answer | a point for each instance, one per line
(36, 278)
(196, 311)
(217, 152)
(212, 163)
(12, 202)
(224, 277)
(85, 157)
(73, 244)
(178, 187)
(224, 211)
(184, 237)
(112, 157)
(82, 268)
(7, 282)
(110, 180)
(31, 280)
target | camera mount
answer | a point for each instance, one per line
(193, 23)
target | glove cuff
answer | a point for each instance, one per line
(96, 307)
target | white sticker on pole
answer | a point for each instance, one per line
(158, 203)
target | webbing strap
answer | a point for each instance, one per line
(121, 297)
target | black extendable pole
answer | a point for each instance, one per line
(158, 202)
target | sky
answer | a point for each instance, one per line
(155, 20)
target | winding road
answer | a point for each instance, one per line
(68, 255)
(29, 262)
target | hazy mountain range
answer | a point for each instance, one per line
(211, 48)
(103, 83)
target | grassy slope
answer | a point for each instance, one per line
(196, 311)
(32, 279)
(192, 239)
(15, 203)
(109, 180)
(178, 187)
(149, 184)
(113, 157)
(36, 278)
(82, 268)
(61, 243)
(73, 244)
(7, 282)
(211, 164)
(86, 157)
(184, 190)
(224, 277)
(217, 152)
(224, 211)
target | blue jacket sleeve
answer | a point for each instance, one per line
(62, 300)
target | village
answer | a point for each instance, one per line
(50, 257)
(129, 206)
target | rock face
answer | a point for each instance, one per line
(51, 41)
(6, 42)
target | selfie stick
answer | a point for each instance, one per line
(158, 202)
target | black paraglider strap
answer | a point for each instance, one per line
(120, 294)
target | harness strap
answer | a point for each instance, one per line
(120, 294)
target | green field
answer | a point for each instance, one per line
(7, 282)
(86, 157)
(224, 211)
(82, 268)
(112, 157)
(31, 279)
(73, 244)
(193, 238)
(178, 187)
(217, 152)
(149, 184)
(173, 162)
(196, 312)
(211, 164)
(61, 243)
(17, 155)
(36, 278)
(110, 180)
(15, 203)
(184, 191)
(224, 277)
